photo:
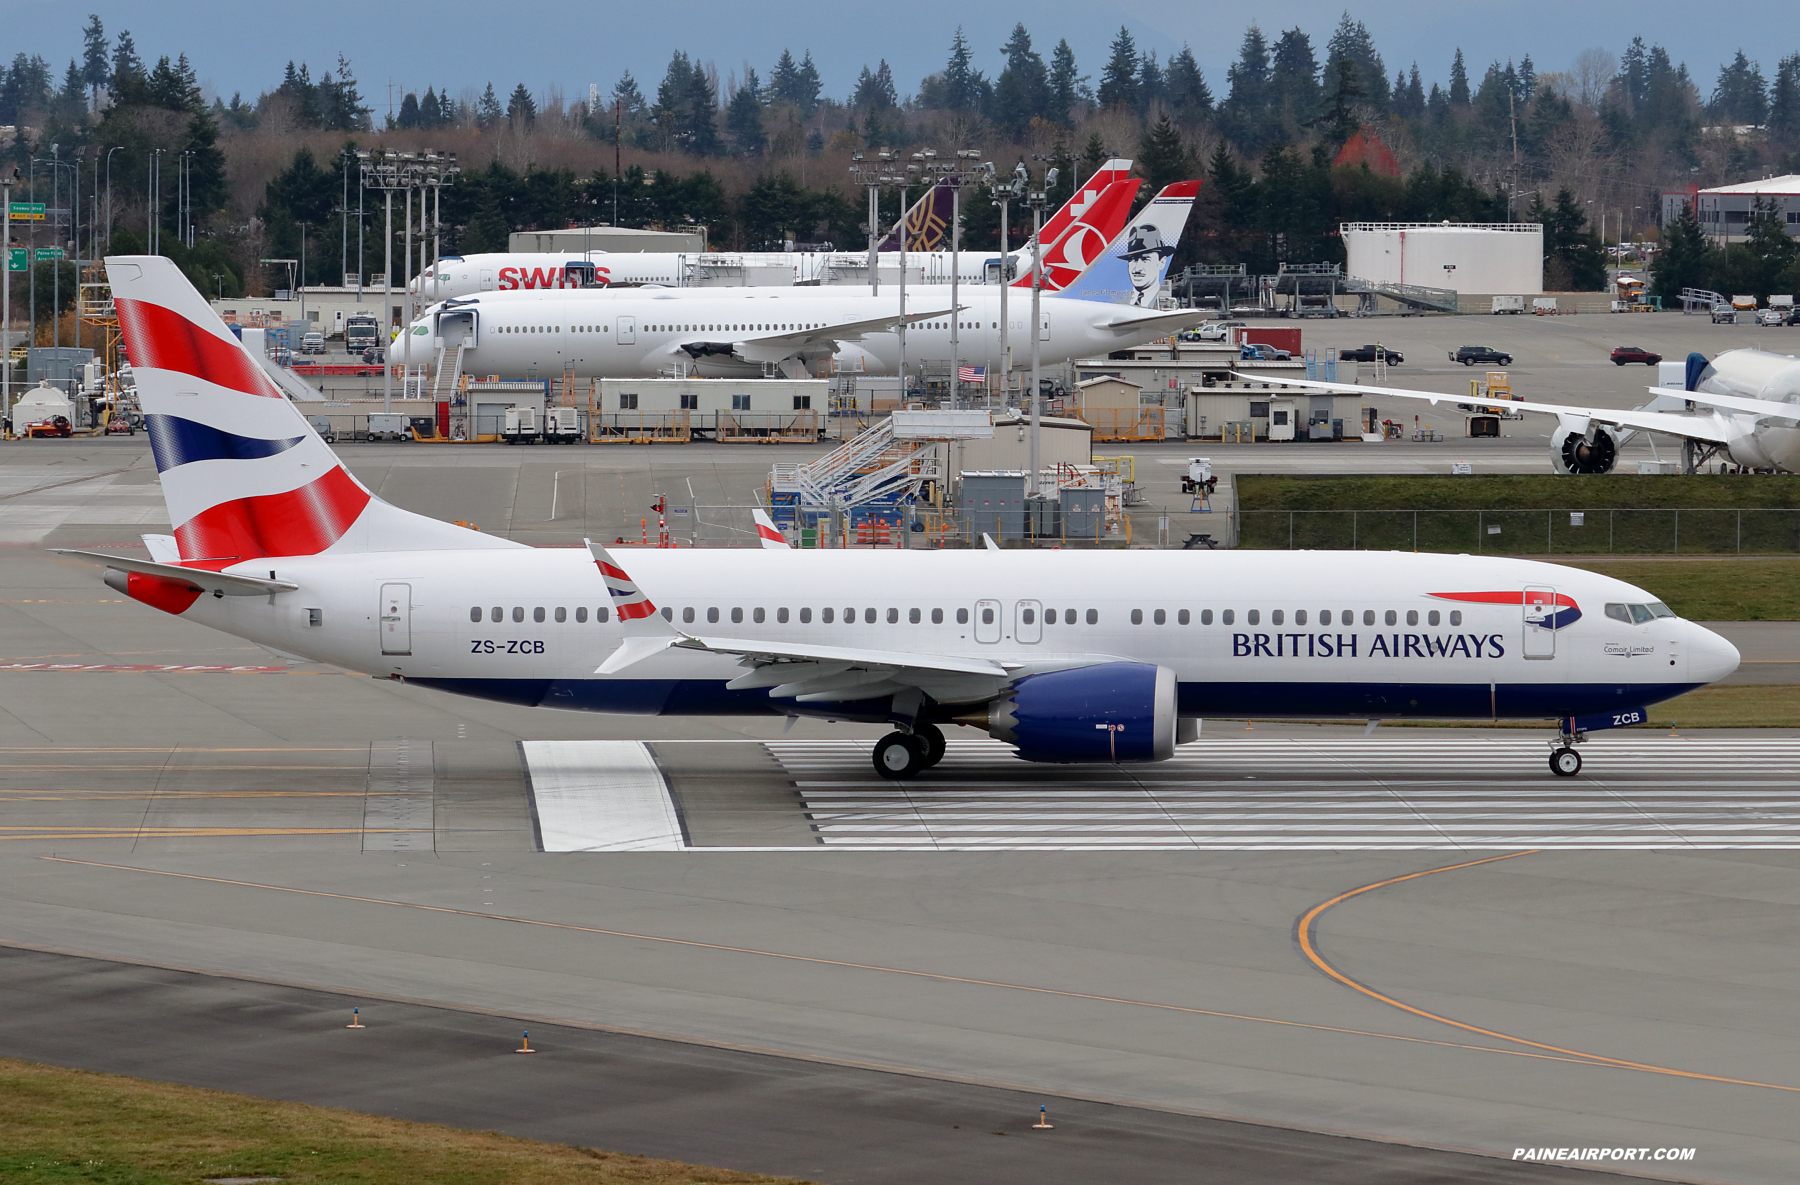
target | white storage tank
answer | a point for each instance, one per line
(1482, 257)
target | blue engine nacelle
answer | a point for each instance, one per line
(1116, 711)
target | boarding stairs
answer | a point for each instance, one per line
(1413, 296)
(873, 466)
(445, 378)
(1703, 299)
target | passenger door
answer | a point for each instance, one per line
(1028, 619)
(627, 331)
(487, 279)
(396, 619)
(1540, 621)
(987, 621)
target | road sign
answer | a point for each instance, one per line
(15, 259)
(28, 211)
(47, 253)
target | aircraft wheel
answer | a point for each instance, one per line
(932, 737)
(899, 757)
(1565, 763)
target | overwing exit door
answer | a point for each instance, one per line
(987, 621)
(1028, 623)
(1540, 621)
(396, 619)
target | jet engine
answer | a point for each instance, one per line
(1116, 711)
(1582, 446)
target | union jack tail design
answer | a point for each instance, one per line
(629, 601)
(244, 475)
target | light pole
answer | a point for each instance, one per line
(6, 184)
(875, 176)
(1035, 199)
(109, 152)
(1004, 196)
(56, 164)
(401, 172)
(303, 226)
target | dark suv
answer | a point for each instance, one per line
(1623, 354)
(1470, 355)
(1367, 354)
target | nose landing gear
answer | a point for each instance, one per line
(1565, 762)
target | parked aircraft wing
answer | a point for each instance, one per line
(1713, 429)
(1129, 322)
(1755, 407)
(774, 347)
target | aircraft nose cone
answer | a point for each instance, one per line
(1710, 657)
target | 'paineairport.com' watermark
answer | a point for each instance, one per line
(1595, 1155)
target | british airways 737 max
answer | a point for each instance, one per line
(1069, 656)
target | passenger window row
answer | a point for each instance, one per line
(498, 613)
(1345, 617)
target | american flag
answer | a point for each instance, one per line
(971, 374)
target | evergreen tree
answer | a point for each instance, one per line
(409, 112)
(1065, 84)
(1527, 80)
(297, 86)
(431, 111)
(1772, 250)
(172, 86)
(1634, 75)
(488, 110)
(521, 108)
(1187, 95)
(338, 104)
(1685, 260)
(1574, 258)
(1294, 78)
(1742, 95)
(784, 80)
(808, 85)
(875, 90)
(1351, 43)
(95, 65)
(1150, 83)
(1163, 156)
(1339, 118)
(743, 117)
(1245, 112)
(1459, 82)
(1119, 77)
(628, 97)
(1023, 90)
(127, 81)
(1784, 100)
(702, 110)
(1437, 105)
(962, 87)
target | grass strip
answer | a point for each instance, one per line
(59, 1127)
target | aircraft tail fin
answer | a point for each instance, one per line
(1111, 173)
(242, 471)
(772, 539)
(1131, 269)
(1082, 239)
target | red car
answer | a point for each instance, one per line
(1623, 354)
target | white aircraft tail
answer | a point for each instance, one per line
(243, 473)
(1131, 269)
(772, 539)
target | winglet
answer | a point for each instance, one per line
(645, 632)
(772, 539)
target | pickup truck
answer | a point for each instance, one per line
(1367, 354)
(1263, 352)
(1470, 355)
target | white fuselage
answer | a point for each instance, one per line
(470, 275)
(1257, 633)
(627, 333)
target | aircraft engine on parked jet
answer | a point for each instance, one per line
(1582, 446)
(1115, 711)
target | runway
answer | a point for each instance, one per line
(1413, 788)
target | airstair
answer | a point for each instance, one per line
(445, 378)
(1703, 299)
(1417, 297)
(874, 470)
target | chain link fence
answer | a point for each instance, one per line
(1685, 531)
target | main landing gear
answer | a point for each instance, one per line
(901, 755)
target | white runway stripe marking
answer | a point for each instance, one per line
(1639, 791)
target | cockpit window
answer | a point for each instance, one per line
(1619, 613)
(1658, 609)
(1640, 614)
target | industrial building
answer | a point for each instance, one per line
(1464, 257)
(612, 239)
(1724, 211)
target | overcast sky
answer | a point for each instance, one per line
(237, 46)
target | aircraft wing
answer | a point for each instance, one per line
(773, 347)
(1713, 429)
(1130, 321)
(198, 578)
